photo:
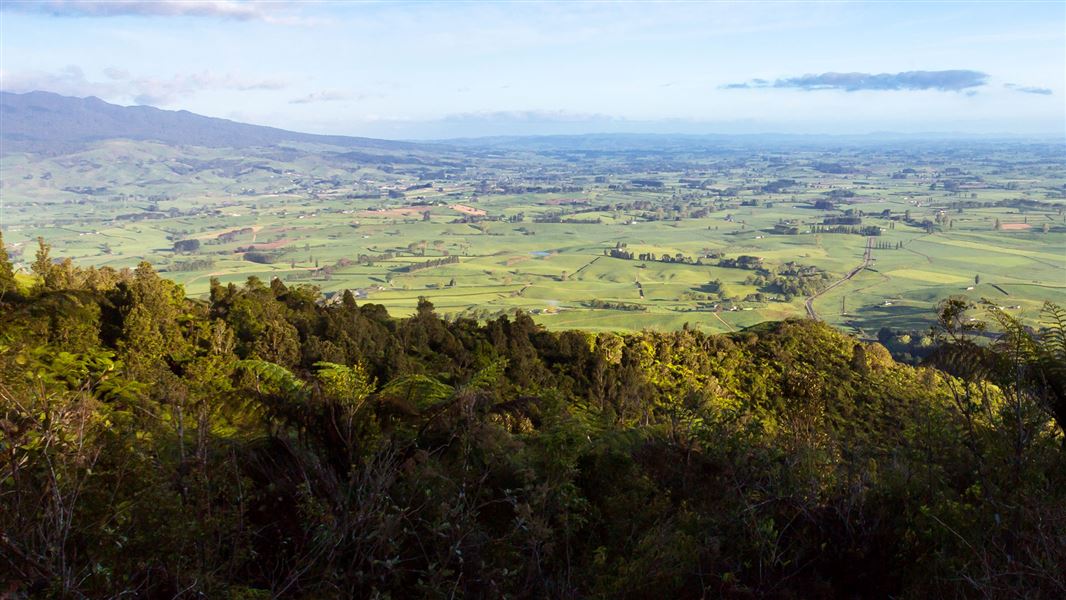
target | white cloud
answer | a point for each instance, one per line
(955, 80)
(121, 86)
(324, 96)
(69, 81)
(1029, 89)
(529, 116)
(270, 12)
(116, 73)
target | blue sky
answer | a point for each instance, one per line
(432, 70)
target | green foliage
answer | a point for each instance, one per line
(8, 285)
(270, 444)
(350, 385)
(42, 265)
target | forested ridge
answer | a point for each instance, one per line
(267, 443)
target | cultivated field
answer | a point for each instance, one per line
(569, 237)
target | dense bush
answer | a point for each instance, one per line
(264, 258)
(263, 443)
(185, 246)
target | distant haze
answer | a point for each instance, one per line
(50, 123)
(449, 70)
(43, 122)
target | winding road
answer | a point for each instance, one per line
(866, 257)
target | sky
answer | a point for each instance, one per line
(435, 70)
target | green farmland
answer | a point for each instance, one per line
(593, 242)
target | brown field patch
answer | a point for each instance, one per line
(468, 210)
(215, 234)
(1015, 226)
(270, 245)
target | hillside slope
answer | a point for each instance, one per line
(51, 123)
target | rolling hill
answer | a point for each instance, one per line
(44, 122)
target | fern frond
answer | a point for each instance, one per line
(1053, 337)
(417, 391)
(274, 375)
(487, 377)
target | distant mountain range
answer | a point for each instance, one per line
(50, 123)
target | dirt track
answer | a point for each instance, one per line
(866, 257)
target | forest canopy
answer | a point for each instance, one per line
(266, 442)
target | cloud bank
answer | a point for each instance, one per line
(527, 116)
(1025, 89)
(956, 80)
(325, 96)
(120, 84)
(269, 12)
